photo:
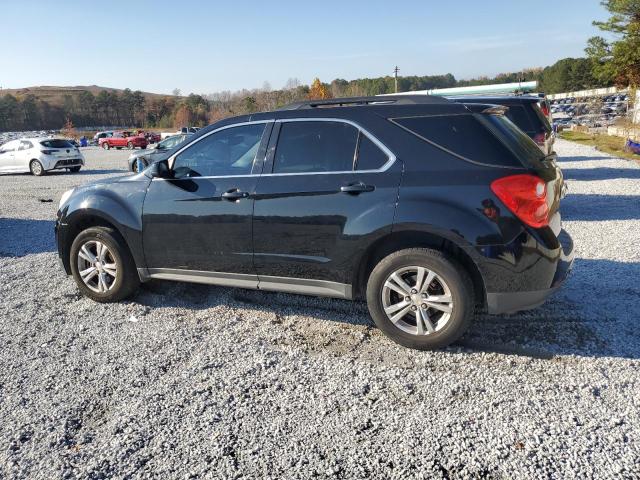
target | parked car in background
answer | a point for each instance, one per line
(183, 130)
(123, 139)
(99, 135)
(144, 158)
(525, 112)
(39, 155)
(428, 209)
(152, 137)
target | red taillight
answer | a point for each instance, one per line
(525, 196)
(545, 109)
(539, 138)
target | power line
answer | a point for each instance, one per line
(395, 73)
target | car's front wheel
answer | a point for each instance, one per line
(36, 168)
(130, 145)
(75, 169)
(102, 265)
(420, 298)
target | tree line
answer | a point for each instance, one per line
(606, 63)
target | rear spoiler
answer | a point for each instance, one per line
(486, 108)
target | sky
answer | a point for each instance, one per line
(210, 46)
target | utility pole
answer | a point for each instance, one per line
(395, 73)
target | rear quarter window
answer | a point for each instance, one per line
(462, 135)
(370, 156)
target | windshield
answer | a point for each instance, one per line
(170, 142)
(56, 143)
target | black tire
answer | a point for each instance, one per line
(130, 145)
(36, 168)
(105, 145)
(126, 282)
(74, 169)
(459, 284)
(134, 166)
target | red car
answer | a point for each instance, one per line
(152, 137)
(123, 139)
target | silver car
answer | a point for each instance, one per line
(141, 159)
(39, 155)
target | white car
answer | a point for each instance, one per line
(39, 155)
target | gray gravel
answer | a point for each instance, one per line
(189, 381)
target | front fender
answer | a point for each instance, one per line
(118, 204)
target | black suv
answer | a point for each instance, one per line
(526, 111)
(429, 209)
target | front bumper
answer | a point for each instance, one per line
(60, 231)
(510, 302)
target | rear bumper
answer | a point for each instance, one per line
(68, 163)
(510, 302)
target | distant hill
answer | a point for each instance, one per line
(54, 95)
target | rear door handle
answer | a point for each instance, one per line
(234, 194)
(356, 188)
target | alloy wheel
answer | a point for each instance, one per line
(417, 300)
(97, 266)
(36, 168)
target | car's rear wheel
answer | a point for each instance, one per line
(130, 145)
(102, 265)
(134, 166)
(36, 168)
(105, 145)
(420, 298)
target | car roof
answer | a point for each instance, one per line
(386, 106)
(42, 139)
(495, 99)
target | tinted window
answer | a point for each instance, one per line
(518, 115)
(228, 152)
(463, 135)
(56, 143)
(522, 145)
(315, 147)
(370, 157)
(543, 121)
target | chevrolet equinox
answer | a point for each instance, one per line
(427, 208)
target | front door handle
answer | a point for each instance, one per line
(234, 194)
(355, 188)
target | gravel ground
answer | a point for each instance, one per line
(190, 381)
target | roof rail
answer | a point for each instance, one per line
(378, 100)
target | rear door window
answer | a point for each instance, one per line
(315, 147)
(10, 146)
(370, 156)
(462, 135)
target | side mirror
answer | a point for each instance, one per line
(159, 170)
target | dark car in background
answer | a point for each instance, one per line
(529, 112)
(429, 209)
(141, 159)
